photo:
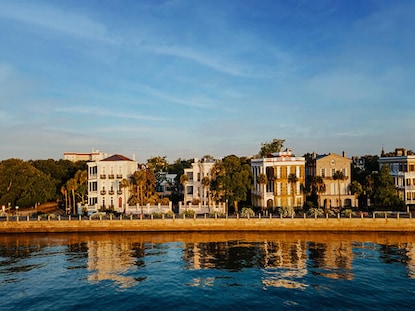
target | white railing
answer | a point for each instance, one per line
(203, 209)
(148, 209)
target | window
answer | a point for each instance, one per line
(278, 188)
(323, 172)
(278, 171)
(408, 181)
(333, 171)
(297, 171)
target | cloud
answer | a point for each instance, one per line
(55, 19)
(99, 111)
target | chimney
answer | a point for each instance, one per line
(133, 156)
(344, 154)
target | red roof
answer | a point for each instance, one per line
(117, 157)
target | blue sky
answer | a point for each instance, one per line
(186, 78)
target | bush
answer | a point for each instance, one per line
(157, 215)
(286, 211)
(247, 212)
(347, 212)
(169, 214)
(218, 214)
(315, 212)
(189, 213)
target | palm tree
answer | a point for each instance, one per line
(318, 187)
(81, 178)
(292, 179)
(125, 184)
(339, 175)
(205, 184)
(64, 192)
(183, 180)
(71, 185)
(262, 180)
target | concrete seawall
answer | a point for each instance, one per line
(211, 225)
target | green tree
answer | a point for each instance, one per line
(262, 180)
(231, 180)
(125, 185)
(292, 179)
(23, 185)
(81, 178)
(206, 184)
(339, 176)
(385, 194)
(271, 147)
(72, 185)
(316, 187)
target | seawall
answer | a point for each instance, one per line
(210, 225)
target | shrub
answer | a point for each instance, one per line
(157, 215)
(347, 212)
(246, 211)
(188, 213)
(315, 212)
(169, 214)
(286, 211)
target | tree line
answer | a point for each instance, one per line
(27, 183)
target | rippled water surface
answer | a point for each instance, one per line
(236, 271)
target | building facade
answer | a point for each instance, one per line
(104, 182)
(197, 187)
(338, 192)
(285, 173)
(402, 169)
(91, 156)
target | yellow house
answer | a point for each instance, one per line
(285, 175)
(338, 191)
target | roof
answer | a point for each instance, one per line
(117, 157)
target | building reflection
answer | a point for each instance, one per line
(283, 260)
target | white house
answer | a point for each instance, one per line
(194, 188)
(104, 182)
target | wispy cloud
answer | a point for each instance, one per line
(99, 111)
(55, 19)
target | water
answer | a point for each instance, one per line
(196, 271)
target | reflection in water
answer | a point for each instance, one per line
(284, 260)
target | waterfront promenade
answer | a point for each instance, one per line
(254, 224)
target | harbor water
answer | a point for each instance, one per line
(207, 271)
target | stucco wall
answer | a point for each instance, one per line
(220, 224)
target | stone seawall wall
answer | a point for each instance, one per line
(212, 225)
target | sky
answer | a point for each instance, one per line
(188, 78)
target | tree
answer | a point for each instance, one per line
(316, 187)
(271, 147)
(231, 180)
(384, 192)
(356, 188)
(23, 185)
(81, 178)
(124, 185)
(339, 175)
(205, 184)
(262, 180)
(292, 179)
(64, 192)
(71, 185)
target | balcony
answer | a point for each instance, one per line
(111, 192)
(103, 192)
(111, 176)
(119, 176)
(103, 176)
(119, 192)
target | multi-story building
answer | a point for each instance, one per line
(402, 169)
(104, 181)
(91, 156)
(197, 188)
(285, 173)
(338, 191)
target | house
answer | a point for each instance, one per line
(198, 184)
(104, 182)
(165, 184)
(402, 169)
(95, 155)
(337, 191)
(285, 173)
